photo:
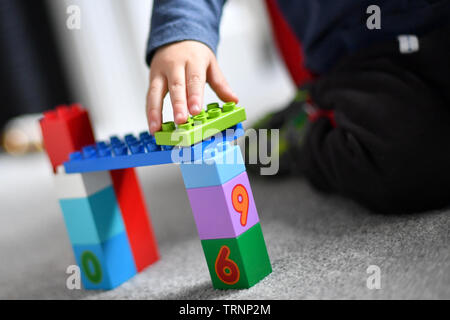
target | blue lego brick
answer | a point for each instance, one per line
(218, 166)
(136, 152)
(105, 265)
(92, 219)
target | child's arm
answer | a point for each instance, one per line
(183, 38)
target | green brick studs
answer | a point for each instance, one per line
(186, 126)
(168, 126)
(214, 113)
(212, 106)
(202, 126)
(199, 119)
(229, 106)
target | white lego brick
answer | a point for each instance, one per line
(80, 185)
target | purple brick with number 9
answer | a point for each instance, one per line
(214, 213)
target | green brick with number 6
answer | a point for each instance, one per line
(237, 263)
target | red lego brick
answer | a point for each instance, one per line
(134, 214)
(65, 130)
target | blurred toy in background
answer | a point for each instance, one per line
(22, 135)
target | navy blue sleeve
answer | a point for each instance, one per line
(329, 30)
(177, 20)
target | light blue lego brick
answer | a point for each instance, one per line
(221, 163)
(139, 151)
(94, 219)
(105, 265)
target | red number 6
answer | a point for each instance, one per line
(226, 269)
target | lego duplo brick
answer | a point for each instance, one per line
(134, 213)
(105, 265)
(224, 211)
(201, 126)
(119, 153)
(80, 185)
(139, 151)
(237, 263)
(64, 130)
(92, 219)
(196, 152)
(218, 166)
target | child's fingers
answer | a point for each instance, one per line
(195, 85)
(219, 84)
(177, 90)
(155, 96)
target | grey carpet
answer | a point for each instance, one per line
(320, 246)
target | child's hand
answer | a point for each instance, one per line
(182, 68)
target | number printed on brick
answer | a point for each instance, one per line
(91, 267)
(239, 198)
(226, 269)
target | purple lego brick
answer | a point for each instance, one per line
(214, 212)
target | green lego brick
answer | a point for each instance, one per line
(201, 126)
(237, 263)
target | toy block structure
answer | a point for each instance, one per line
(104, 212)
(226, 217)
(132, 151)
(104, 209)
(96, 228)
(201, 126)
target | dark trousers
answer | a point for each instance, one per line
(32, 75)
(388, 147)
